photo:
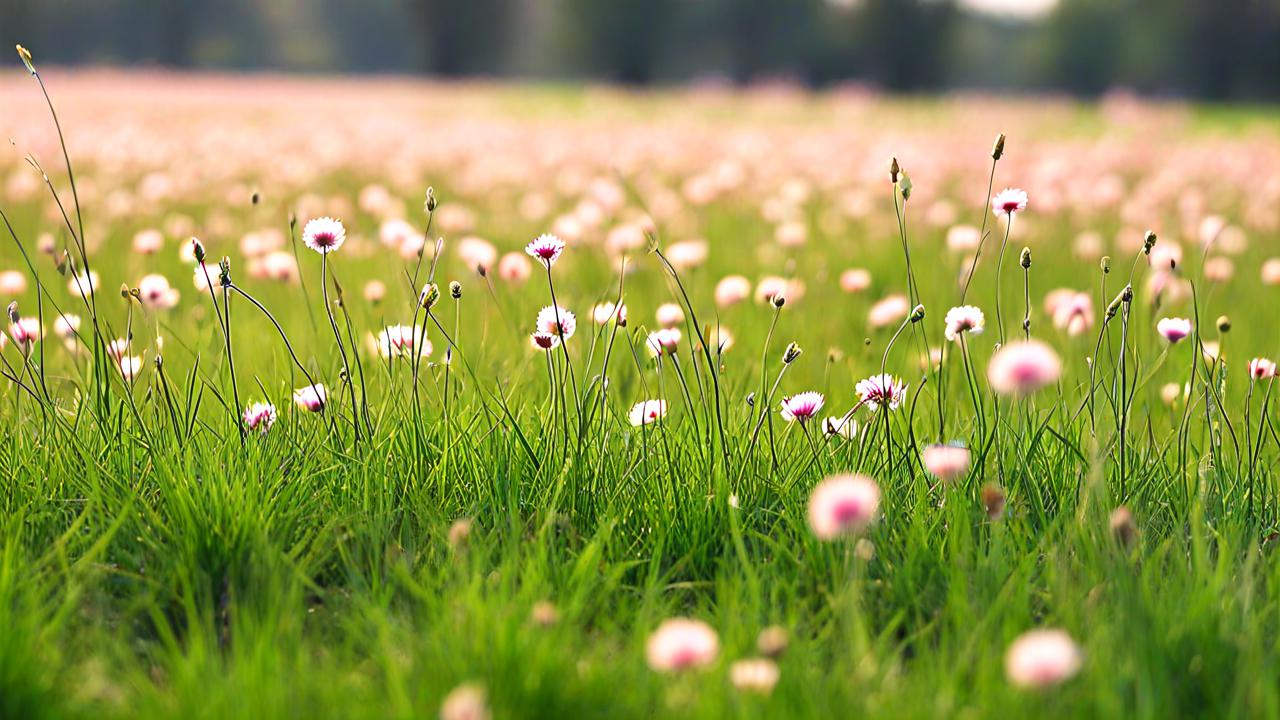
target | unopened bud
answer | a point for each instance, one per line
(455, 290)
(751, 399)
(997, 150)
(197, 249)
(779, 300)
(904, 186)
(1126, 294)
(1105, 264)
(917, 314)
(25, 54)
(1224, 324)
(792, 352)
(125, 292)
(894, 170)
(1148, 242)
(430, 296)
(255, 198)
(430, 203)
(13, 312)
(1025, 260)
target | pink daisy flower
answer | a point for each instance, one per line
(25, 332)
(945, 462)
(544, 341)
(1042, 658)
(669, 315)
(647, 411)
(1009, 201)
(130, 366)
(324, 235)
(1023, 367)
(881, 390)
(663, 342)
(1262, 368)
(260, 417)
(399, 341)
(545, 249)
(963, 319)
(842, 505)
(681, 644)
(732, 290)
(606, 312)
(1173, 329)
(154, 292)
(310, 398)
(557, 321)
(802, 407)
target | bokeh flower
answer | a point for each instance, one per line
(842, 505)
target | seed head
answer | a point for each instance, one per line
(455, 290)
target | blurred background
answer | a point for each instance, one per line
(1210, 49)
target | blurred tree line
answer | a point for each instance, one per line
(1220, 49)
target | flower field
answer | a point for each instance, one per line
(342, 398)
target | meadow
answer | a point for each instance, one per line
(320, 400)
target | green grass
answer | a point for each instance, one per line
(154, 565)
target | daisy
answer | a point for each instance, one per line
(557, 321)
(669, 315)
(544, 341)
(965, 318)
(1041, 658)
(1262, 368)
(802, 407)
(1023, 367)
(399, 341)
(755, 675)
(842, 505)
(855, 280)
(681, 644)
(514, 268)
(1174, 329)
(647, 411)
(732, 290)
(155, 292)
(889, 311)
(1009, 201)
(310, 398)
(881, 390)
(260, 417)
(83, 284)
(663, 342)
(844, 426)
(945, 462)
(545, 249)
(66, 326)
(12, 283)
(324, 235)
(130, 366)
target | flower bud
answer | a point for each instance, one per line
(25, 54)
(905, 186)
(997, 150)
(13, 312)
(255, 198)
(455, 290)
(1224, 324)
(1025, 260)
(1148, 242)
(429, 204)
(894, 170)
(1105, 264)
(917, 314)
(430, 296)
(197, 249)
(779, 300)
(792, 352)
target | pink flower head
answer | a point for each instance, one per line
(681, 644)
(66, 326)
(324, 235)
(154, 292)
(732, 290)
(147, 242)
(260, 417)
(963, 319)
(888, 311)
(881, 390)
(477, 253)
(647, 411)
(545, 249)
(465, 702)
(945, 462)
(557, 321)
(25, 332)
(663, 342)
(130, 366)
(400, 341)
(1173, 329)
(669, 315)
(607, 312)
(544, 341)
(842, 505)
(310, 398)
(1262, 368)
(514, 268)
(855, 280)
(1023, 367)
(1009, 201)
(1041, 658)
(802, 407)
